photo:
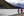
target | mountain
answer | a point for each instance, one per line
(19, 5)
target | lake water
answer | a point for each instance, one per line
(7, 12)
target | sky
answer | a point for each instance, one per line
(15, 1)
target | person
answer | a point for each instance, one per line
(21, 10)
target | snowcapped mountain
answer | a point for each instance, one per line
(19, 3)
